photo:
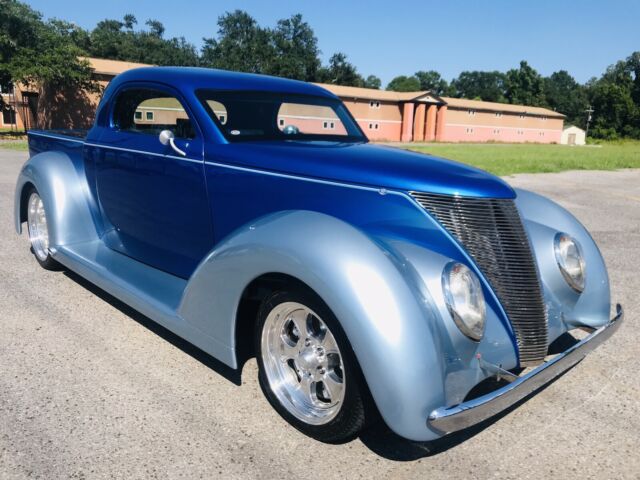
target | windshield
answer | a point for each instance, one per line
(249, 116)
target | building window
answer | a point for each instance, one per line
(6, 88)
(8, 116)
(521, 115)
(498, 114)
(496, 131)
(469, 130)
(281, 122)
(328, 125)
(137, 115)
(471, 112)
(374, 126)
(222, 119)
(374, 104)
(544, 118)
(149, 116)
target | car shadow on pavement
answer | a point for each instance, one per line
(382, 441)
(227, 372)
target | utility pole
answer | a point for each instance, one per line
(589, 112)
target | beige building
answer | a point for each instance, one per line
(573, 135)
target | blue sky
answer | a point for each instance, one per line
(389, 38)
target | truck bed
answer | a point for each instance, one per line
(67, 141)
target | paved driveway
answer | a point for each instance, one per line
(91, 389)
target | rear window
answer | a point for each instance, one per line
(247, 116)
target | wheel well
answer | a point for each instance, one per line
(246, 317)
(24, 197)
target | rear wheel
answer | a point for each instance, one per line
(307, 369)
(39, 231)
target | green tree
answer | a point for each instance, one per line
(34, 52)
(340, 72)
(295, 49)
(432, 81)
(117, 40)
(524, 86)
(487, 86)
(563, 94)
(616, 112)
(403, 83)
(241, 45)
(373, 82)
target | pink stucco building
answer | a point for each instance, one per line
(422, 116)
(382, 115)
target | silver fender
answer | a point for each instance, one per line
(389, 328)
(543, 219)
(64, 192)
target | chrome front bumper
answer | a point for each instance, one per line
(474, 411)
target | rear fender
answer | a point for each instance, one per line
(63, 189)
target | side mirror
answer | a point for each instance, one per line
(167, 137)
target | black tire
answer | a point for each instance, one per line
(356, 408)
(48, 263)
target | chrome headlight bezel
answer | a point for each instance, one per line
(573, 270)
(465, 300)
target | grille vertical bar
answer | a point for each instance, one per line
(492, 233)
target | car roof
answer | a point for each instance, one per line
(195, 78)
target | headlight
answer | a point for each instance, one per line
(465, 300)
(570, 261)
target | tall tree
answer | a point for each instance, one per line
(563, 94)
(241, 45)
(340, 72)
(432, 81)
(524, 86)
(118, 40)
(616, 114)
(403, 83)
(295, 50)
(487, 86)
(34, 52)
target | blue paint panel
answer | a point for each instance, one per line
(154, 207)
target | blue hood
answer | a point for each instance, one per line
(365, 164)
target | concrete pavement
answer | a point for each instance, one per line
(91, 389)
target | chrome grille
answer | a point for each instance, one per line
(492, 233)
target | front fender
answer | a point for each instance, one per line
(390, 330)
(63, 190)
(544, 219)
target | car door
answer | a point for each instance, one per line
(152, 198)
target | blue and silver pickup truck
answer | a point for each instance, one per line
(249, 213)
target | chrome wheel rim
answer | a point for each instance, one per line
(38, 231)
(303, 363)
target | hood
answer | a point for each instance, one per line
(365, 164)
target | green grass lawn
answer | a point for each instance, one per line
(506, 159)
(18, 145)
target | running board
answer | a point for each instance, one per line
(153, 293)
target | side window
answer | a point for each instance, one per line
(219, 110)
(313, 119)
(148, 111)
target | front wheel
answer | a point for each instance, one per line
(39, 231)
(307, 369)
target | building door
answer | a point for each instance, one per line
(572, 139)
